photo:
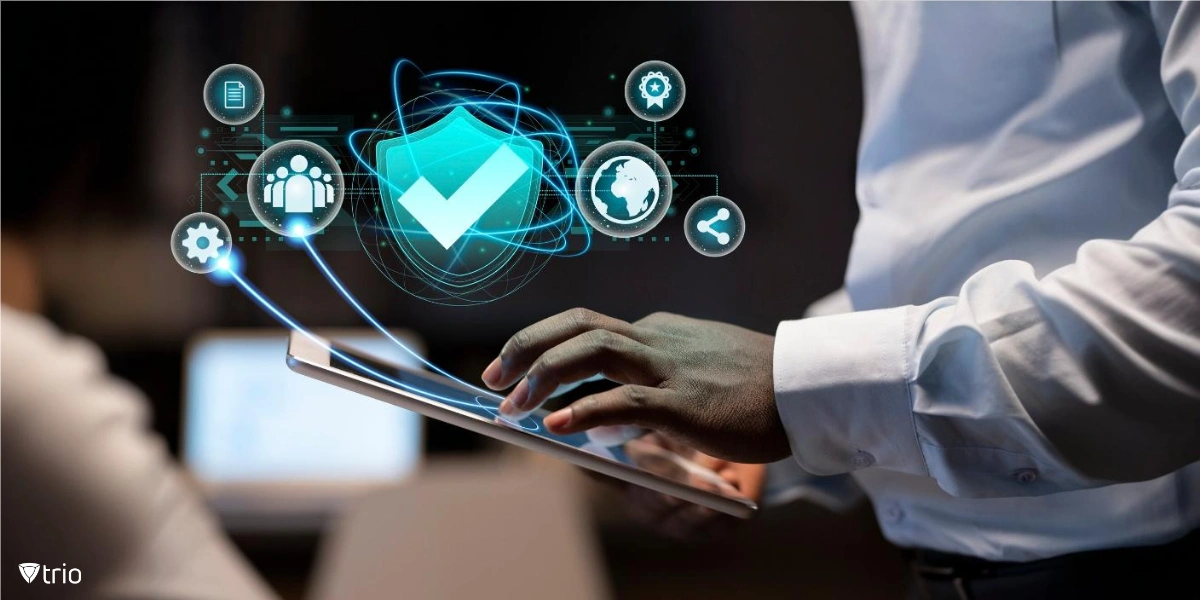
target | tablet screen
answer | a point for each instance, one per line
(635, 453)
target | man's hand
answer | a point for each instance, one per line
(703, 383)
(683, 520)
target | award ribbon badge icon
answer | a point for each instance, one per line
(655, 88)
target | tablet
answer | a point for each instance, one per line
(441, 398)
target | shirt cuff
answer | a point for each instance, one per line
(842, 392)
(787, 482)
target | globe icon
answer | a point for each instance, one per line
(625, 189)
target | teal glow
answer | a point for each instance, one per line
(467, 141)
(453, 185)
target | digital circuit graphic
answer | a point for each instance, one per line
(460, 195)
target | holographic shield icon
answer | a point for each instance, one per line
(459, 196)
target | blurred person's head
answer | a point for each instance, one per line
(26, 215)
(19, 286)
(43, 188)
(72, 134)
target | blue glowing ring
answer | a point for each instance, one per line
(500, 105)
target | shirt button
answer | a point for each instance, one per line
(863, 460)
(1026, 475)
(893, 514)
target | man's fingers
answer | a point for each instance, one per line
(749, 479)
(613, 355)
(627, 405)
(711, 463)
(528, 344)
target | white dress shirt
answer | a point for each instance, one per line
(1022, 376)
(89, 487)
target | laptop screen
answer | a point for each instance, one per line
(250, 419)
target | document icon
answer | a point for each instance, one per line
(235, 94)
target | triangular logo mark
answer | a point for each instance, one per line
(29, 571)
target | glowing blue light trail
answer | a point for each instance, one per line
(286, 320)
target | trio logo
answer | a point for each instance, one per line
(30, 572)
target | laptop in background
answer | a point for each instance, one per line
(278, 452)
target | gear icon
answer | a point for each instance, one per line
(659, 90)
(207, 249)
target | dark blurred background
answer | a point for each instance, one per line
(101, 123)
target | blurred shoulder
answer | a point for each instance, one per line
(47, 371)
(32, 347)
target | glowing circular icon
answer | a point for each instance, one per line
(200, 242)
(233, 94)
(295, 188)
(655, 90)
(714, 226)
(623, 189)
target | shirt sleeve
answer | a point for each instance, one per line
(1020, 386)
(786, 481)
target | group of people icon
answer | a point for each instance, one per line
(299, 190)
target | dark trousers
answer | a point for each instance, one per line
(1168, 571)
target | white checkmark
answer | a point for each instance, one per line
(448, 218)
